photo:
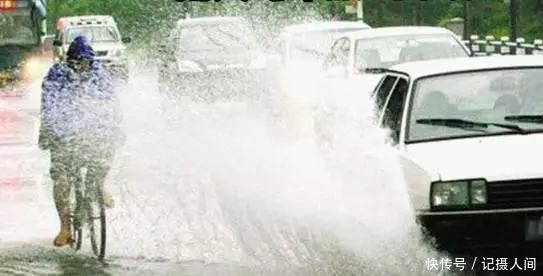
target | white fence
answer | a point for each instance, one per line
(504, 46)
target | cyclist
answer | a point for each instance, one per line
(80, 125)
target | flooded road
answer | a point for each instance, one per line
(224, 189)
(31, 259)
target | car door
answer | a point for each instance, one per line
(392, 114)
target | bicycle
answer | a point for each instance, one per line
(86, 207)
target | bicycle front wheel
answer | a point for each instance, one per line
(76, 216)
(97, 221)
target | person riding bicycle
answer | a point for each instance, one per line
(80, 125)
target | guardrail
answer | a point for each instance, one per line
(491, 46)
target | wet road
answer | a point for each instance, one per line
(26, 247)
(37, 260)
(139, 241)
(28, 222)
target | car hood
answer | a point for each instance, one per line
(107, 46)
(214, 59)
(494, 158)
(102, 46)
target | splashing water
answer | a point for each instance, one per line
(224, 183)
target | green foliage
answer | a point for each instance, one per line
(148, 21)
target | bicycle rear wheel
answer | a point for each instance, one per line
(97, 220)
(76, 216)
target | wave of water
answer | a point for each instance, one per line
(224, 183)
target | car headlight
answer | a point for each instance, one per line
(458, 193)
(259, 63)
(33, 68)
(188, 66)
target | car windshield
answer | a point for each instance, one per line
(314, 45)
(217, 37)
(452, 105)
(384, 52)
(17, 28)
(93, 33)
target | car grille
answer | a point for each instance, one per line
(101, 53)
(515, 193)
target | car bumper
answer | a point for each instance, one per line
(459, 232)
(218, 85)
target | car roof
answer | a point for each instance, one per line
(397, 31)
(418, 69)
(323, 26)
(105, 18)
(209, 19)
(64, 23)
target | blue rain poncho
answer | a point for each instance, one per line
(75, 104)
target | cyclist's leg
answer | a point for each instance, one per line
(60, 174)
(98, 170)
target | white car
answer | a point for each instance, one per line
(379, 48)
(104, 35)
(301, 50)
(468, 133)
(309, 42)
(347, 61)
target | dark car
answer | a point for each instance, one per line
(213, 58)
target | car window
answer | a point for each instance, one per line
(93, 33)
(311, 45)
(17, 28)
(383, 90)
(217, 37)
(393, 112)
(482, 96)
(386, 51)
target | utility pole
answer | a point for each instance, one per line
(56, 15)
(513, 11)
(467, 21)
(360, 10)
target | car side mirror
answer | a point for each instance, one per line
(57, 43)
(126, 39)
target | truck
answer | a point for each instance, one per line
(22, 66)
